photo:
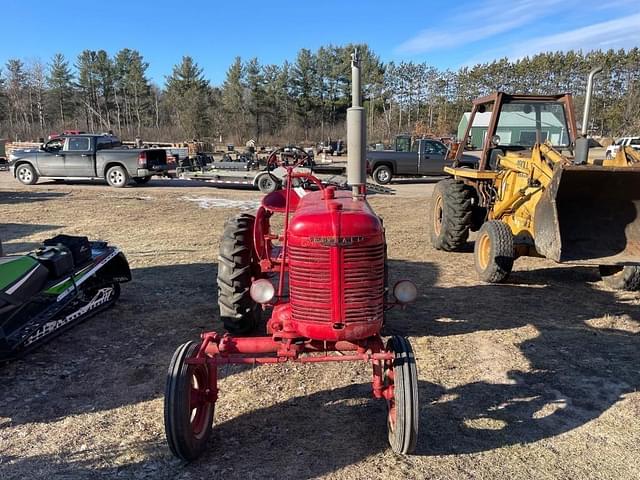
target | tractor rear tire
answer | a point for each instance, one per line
(625, 278)
(403, 410)
(494, 252)
(452, 207)
(187, 421)
(238, 312)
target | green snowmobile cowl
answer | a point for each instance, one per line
(12, 269)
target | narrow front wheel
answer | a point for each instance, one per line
(403, 409)
(188, 409)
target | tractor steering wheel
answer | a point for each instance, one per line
(276, 160)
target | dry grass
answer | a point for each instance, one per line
(534, 379)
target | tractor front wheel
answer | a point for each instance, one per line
(403, 412)
(625, 278)
(494, 252)
(188, 410)
(452, 216)
(238, 312)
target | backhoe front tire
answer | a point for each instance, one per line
(625, 278)
(238, 312)
(452, 215)
(494, 252)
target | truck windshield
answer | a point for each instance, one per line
(524, 123)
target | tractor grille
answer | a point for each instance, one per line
(359, 284)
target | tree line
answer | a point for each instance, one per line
(304, 100)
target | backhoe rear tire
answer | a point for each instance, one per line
(493, 252)
(452, 215)
(238, 312)
(625, 278)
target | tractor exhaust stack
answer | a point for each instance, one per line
(356, 133)
(587, 100)
(581, 153)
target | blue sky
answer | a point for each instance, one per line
(447, 34)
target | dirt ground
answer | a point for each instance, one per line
(537, 378)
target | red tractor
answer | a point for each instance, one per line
(324, 278)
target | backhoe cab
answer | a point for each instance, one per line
(536, 193)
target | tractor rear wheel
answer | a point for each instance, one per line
(238, 312)
(493, 252)
(188, 411)
(621, 278)
(452, 207)
(403, 410)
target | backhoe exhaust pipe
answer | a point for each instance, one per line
(356, 133)
(582, 143)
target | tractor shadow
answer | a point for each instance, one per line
(313, 435)
(577, 371)
(10, 197)
(581, 362)
(10, 232)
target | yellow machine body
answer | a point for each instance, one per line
(583, 214)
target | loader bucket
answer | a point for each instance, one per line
(590, 215)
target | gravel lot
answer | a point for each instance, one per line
(537, 378)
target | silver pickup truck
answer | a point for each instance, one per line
(87, 156)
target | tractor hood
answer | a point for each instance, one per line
(335, 218)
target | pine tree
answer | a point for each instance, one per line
(233, 99)
(255, 96)
(304, 82)
(60, 82)
(188, 97)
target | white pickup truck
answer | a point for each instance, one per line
(612, 150)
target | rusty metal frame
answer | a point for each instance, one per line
(497, 100)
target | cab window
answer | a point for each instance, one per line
(434, 148)
(55, 144)
(103, 143)
(78, 144)
(403, 144)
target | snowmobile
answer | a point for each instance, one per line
(55, 287)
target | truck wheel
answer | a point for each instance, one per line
(493, 251)
(625, 278)
(117, 177)
(382, 175)
(452, 215)
(26, 174)
(142, 180)
(267, 183)
(238, 312)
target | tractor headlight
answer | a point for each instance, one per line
(405, 291)
(262, 291)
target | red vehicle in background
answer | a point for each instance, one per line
(53, 135)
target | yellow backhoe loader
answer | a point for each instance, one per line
(537, 193)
